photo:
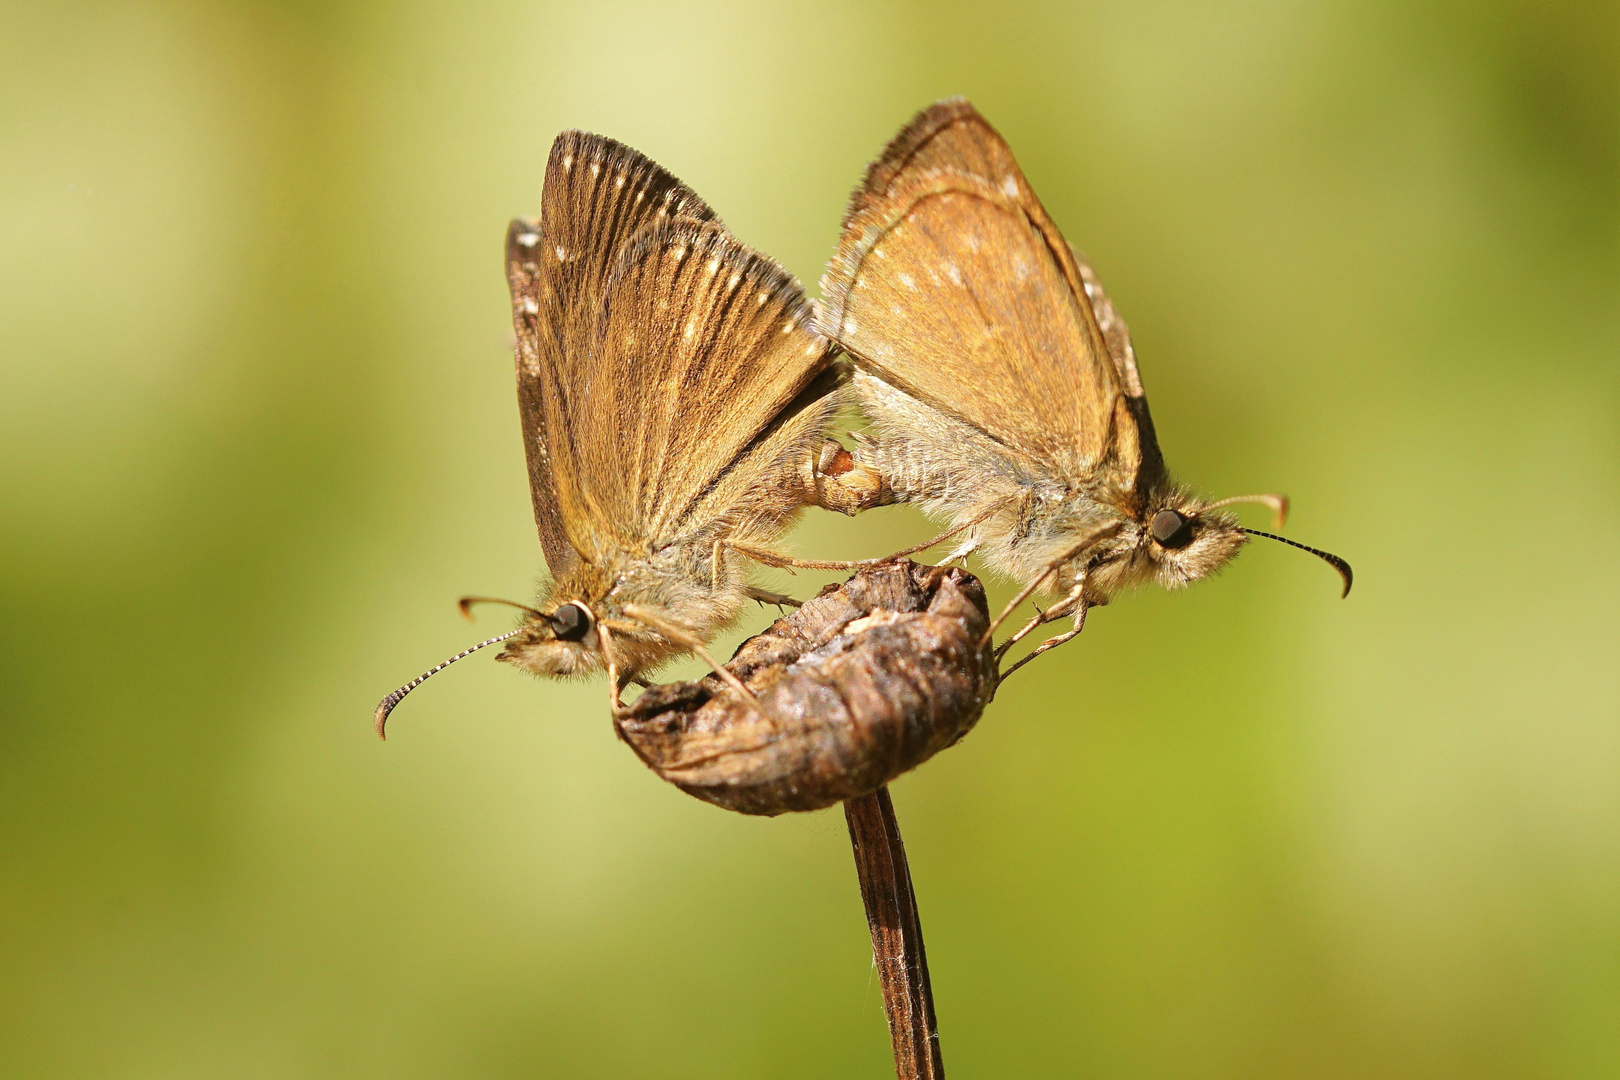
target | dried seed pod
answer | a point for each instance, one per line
(869, 679)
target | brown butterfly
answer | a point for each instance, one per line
(674, 399)
(1000, 384)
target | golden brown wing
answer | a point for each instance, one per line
(704, 391)
(951, 134)
(959, 293)
(598, 195)
(952, 283)
(948, 134)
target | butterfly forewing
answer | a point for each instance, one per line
(946, 290)
(1056, 393)
(691, 315)
(598, 195)
(949, 134)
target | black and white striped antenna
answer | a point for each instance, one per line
(386, 705)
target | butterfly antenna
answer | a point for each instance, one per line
(1278, 504)
(386, 705)
(466, 603)
(1332, 560)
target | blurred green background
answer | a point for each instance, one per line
(257, 433)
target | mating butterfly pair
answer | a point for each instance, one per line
(677, 392)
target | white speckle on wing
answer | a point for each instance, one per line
(618, 182)
(639, 196)
(850, 327)
(568, 162)
(713, 265)
(561, 252)
(679, 253)
(530, 307)
(1010, 186)
(732, 284)
(908, 281)
(691, 328)
(787, 327)
(764, 296)
(956, 275)
(528, 239)
(596, 169)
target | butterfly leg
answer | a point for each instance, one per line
(1050, 569)
(690, 641)
(963, 550)
(767, 557)
(714, 564)
(1050, 643)
(616, 683)
(1051, 614)
(766, 597)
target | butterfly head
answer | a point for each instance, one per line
(1176, 542)
(563, 641)
(1184, 541)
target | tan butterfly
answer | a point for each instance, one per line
(1000, 384)
(674, 399)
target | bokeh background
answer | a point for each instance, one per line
(257, 433)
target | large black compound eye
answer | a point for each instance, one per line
(1171, 529)
(570, 622)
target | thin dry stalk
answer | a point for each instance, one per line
(897, 941)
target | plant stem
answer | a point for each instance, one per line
(897, 942)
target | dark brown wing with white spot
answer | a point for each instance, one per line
(953, 284)
(704, 392)
(598, 195)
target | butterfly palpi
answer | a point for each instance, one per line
(1000, 384)
(674, 399)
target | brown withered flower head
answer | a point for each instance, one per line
(867, 680)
